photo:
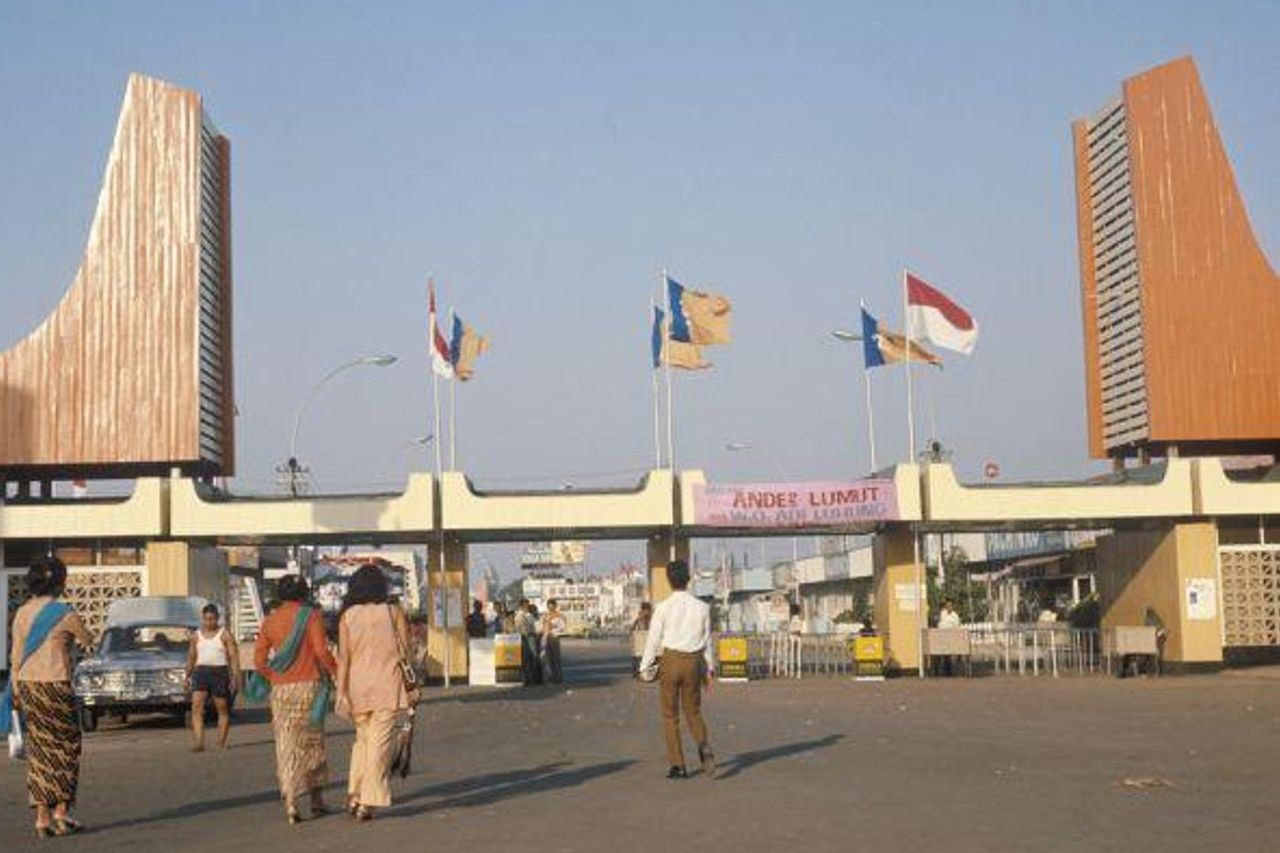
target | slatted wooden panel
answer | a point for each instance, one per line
(110, 380)
(1211, 301)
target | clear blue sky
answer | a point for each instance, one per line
(546, 160)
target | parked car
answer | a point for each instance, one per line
(140, 665)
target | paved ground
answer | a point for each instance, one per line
(825, 764)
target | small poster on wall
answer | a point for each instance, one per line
(455, 608)
(1202, 598)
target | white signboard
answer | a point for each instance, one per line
(480, 668)
(907, 596)
(1202, 599)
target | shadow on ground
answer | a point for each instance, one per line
(491, 788)
(745, 761)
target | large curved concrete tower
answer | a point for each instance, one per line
(1181, 308)
(132, 372)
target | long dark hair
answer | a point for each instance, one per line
(367, 586)
(293, 588)
(47, 576)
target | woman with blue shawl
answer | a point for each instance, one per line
(40, 697)
(292, 656)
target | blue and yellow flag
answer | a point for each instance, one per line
(696, 317)
(881, 347)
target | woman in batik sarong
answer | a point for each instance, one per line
(42, 701)
(292, 654)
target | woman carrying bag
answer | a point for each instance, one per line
(39, 701)
(377, 689)
(294, 664)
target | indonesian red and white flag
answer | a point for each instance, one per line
(932, 317)
(441, 363)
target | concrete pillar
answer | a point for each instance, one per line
(177, 568)
(662, 549)
(455, 568)
(901, 602)
(1145, 573)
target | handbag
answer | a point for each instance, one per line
(402, 761)
(17, 743)
(651, 672)
(408, 675)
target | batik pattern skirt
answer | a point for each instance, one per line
(52, 736)
(301, 764)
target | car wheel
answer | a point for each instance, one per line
(88, 719)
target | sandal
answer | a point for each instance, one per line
(353, 806)
(66, 826)
(364, 814)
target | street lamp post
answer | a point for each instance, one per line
(850, 338)
(292, 470)
(744, 446)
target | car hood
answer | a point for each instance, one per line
(132, 662)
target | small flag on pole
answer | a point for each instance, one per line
(441, 363)
(696, 317)
(934, 318)
(664, 350)
(881, 347)
(464, 348)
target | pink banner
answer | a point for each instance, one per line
(821, 504)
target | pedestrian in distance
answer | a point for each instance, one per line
(213, 671)
(553, 628)
(533, 639)
(477, 629)
(948, 619)
(528, 645)
(373, 636)
(640, 635)
(292, 656)
(680, 634)
(40, 698)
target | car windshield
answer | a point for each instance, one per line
(162, 639)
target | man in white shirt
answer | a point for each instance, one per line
(553, 626)
(948, 618)
(680, 633)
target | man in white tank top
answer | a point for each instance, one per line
(213, 671)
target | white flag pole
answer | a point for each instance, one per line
(922, 592)
(453, 410)
(443, 590)
(653, 375)
(911, 406)
(666, 339)
(866, 381)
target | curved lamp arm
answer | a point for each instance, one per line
(368, 360)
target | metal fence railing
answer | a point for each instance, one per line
(783, 655)
(1006, 649)
(1036, 649)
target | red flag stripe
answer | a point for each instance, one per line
(921, 293)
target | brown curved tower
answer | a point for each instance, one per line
(132, 372)
(1181, 308)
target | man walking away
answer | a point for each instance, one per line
(680, 633)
